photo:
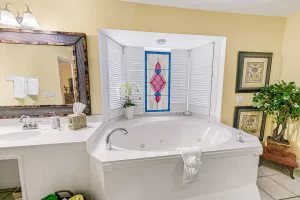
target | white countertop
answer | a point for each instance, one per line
(48, 136)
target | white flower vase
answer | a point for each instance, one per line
(129, 112)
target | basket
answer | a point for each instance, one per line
(17, 194)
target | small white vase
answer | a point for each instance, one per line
(129, 112)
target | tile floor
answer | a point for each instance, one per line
(6, 194)
(274, 185)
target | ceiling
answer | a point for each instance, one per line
(253, 7)
(148, 39)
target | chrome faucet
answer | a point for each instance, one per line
(108, 142)
(28, 125)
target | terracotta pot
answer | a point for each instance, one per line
(277, 149)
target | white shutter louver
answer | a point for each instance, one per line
(179, 80)
(135, 70)
(201, 68)
(115, 76)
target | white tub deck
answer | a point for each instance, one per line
(229, 168)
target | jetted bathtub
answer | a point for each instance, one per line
(145, 163)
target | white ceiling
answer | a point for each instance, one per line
(148, 39)
(253, 7)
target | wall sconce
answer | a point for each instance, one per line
(7, 17)
(28, 21)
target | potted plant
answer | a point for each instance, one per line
(126, 90)
(281, 100)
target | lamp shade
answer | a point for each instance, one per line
(7, 18)
(29, 21)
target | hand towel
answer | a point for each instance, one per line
(19, 87)
(33, 86)
(192, 163)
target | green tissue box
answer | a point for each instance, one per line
(76, 121)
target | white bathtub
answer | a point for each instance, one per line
(145, 163)
(170, 135)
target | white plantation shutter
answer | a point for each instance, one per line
(134, 58)
(115, 77)
(179, 80)
(200, 82)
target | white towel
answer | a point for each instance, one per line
(192, 163)
(33, 86)
(19, 87)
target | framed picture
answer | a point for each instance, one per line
(253, 71)
(251, 120)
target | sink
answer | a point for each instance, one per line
(18, 136)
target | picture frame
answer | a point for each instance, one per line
(253, 71)
(250, 120)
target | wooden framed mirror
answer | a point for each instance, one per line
(54, 66)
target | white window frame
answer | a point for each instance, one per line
(217, 79)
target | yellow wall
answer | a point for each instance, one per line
(31, 61)
(291, 70)
(65, 72)
(243, 32)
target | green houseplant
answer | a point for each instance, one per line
(282, 101)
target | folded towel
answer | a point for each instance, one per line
(19, 86)
(192, 163)
(33, 86)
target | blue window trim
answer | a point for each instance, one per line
(146, 78)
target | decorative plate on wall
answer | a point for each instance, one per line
(253, 71)
(251, 120)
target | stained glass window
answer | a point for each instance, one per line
(157, 81)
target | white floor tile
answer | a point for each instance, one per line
(263, 195)
(296, 198)
(270, 170)
(260, 174)
(287, 182)
(273, 189)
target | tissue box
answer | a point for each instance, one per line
(76, 121)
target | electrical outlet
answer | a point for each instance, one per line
(46, 94)
(240, 99)
(52, 94)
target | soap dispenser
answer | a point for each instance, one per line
(58, 121)
(53, 120)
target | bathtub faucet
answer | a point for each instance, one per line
(108, 142)
(240, 136)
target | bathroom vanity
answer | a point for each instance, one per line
(42, 72)
(48, 160)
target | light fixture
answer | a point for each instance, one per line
(29, 20)
(161, 41)
(7, 17)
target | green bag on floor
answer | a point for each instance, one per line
(50, 197)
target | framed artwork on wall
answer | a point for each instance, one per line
(253, 71)
(251, 120)
(157, 81)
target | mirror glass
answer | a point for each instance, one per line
(10, 184)
(36, 75)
